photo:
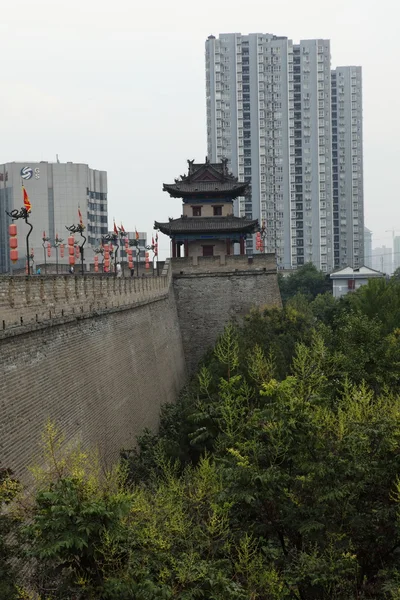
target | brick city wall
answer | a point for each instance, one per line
(39, 299)
(208, 294)
(101, 374)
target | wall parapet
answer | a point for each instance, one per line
(34, 300)
(224, 264)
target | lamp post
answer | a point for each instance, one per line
(100, 250)
(45, 240)
(78, 229)
(154, 247)
(260, 238)
(30, 257)
(57, 243)
(23, 214)
(112, 238)
(135, 244)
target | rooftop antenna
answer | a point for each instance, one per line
(57, 158)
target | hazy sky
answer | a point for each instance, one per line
(121, 86)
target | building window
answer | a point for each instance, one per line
(208, 250)
(217, 211)
(351, 284)
(196, 211)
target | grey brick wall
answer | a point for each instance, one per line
(206, 301)
(101, 379)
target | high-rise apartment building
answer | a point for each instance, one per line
(382, 260)
(367, 247)
(56, 190)
(396, 252)
(347, 167)
(269, 112)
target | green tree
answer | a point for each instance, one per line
(9, 489)
(306, 280)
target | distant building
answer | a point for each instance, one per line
(55, 190)
(367, 247)
(293, 129)
(396, 252)
(382, 260)
(348, 279)
(131, 235)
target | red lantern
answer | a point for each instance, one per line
(96, 259)
(72, 260)
(71, 250)
(146, 260)
(71, 241)
(77, 251)
(48, 250)
(62, 250)
(12, 230)
(96, 267)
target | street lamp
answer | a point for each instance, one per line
(23, 214)
(260, 238)
(78, 229)
(100, 250)
(154, 247)
(57, 243)
(112, 238)
(45, 240)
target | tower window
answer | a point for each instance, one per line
(217, 211)
(196, 211)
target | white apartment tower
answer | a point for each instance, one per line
(269, 111)
(347, 165)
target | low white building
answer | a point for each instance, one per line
(348, 279)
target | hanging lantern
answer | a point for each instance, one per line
(146, 260)
(71, 241)
(62, 250)
(12, 230)
(71, 250)
(96, 259)
(72, 260)
(77, 251)
(96, 266)
(49, 250)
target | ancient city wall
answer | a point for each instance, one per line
(97, 356)
(210, 291)
(40, 299)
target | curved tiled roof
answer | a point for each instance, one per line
(206, 224)
(207, 179)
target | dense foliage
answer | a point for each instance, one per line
(306, 280)
(275, 475)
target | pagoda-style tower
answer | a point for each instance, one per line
(207, 226)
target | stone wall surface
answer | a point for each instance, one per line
(101, 375)
(209, 294)
(38, 299)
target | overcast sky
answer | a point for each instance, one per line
(121, 86)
